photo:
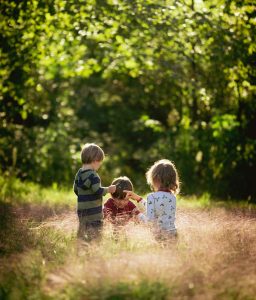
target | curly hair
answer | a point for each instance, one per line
(163, 173)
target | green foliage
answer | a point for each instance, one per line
(144, 290)
(144, 79)
(16, 192)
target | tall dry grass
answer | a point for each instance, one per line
(213, 257)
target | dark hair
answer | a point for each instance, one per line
(91, 152)
(122, 183)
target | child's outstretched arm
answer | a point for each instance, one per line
(97, 188)
(133, 196)
(138, 199)
(148, 204)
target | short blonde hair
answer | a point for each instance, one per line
(163, 173)
(91, 152)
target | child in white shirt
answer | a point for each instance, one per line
(160, 205)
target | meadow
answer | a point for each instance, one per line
(213, 257)
(144, 80)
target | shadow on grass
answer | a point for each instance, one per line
(16, 222)
(28, 250)
(13, 232)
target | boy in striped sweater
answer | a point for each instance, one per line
(87, 187)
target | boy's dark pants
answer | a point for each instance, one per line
(89, 231)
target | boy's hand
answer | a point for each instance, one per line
(132, 195)
(111, 189)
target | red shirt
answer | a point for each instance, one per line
(112, 211)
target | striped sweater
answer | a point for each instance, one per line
(87, 187)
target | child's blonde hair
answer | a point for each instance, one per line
(91, 152)
(164, 174)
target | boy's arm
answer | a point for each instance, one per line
(75, 186)
(96, 185)
(98, 189)
(75, 189)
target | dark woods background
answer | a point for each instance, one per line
(144, 79)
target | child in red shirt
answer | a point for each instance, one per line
(119, 209)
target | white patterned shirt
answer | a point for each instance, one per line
(161, 208)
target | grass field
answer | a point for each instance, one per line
(214, 256)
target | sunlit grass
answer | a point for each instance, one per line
(14, 191)
(213, 257)
(194, 201)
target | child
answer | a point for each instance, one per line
(119, 209)
(161, 204)
(87, 187)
